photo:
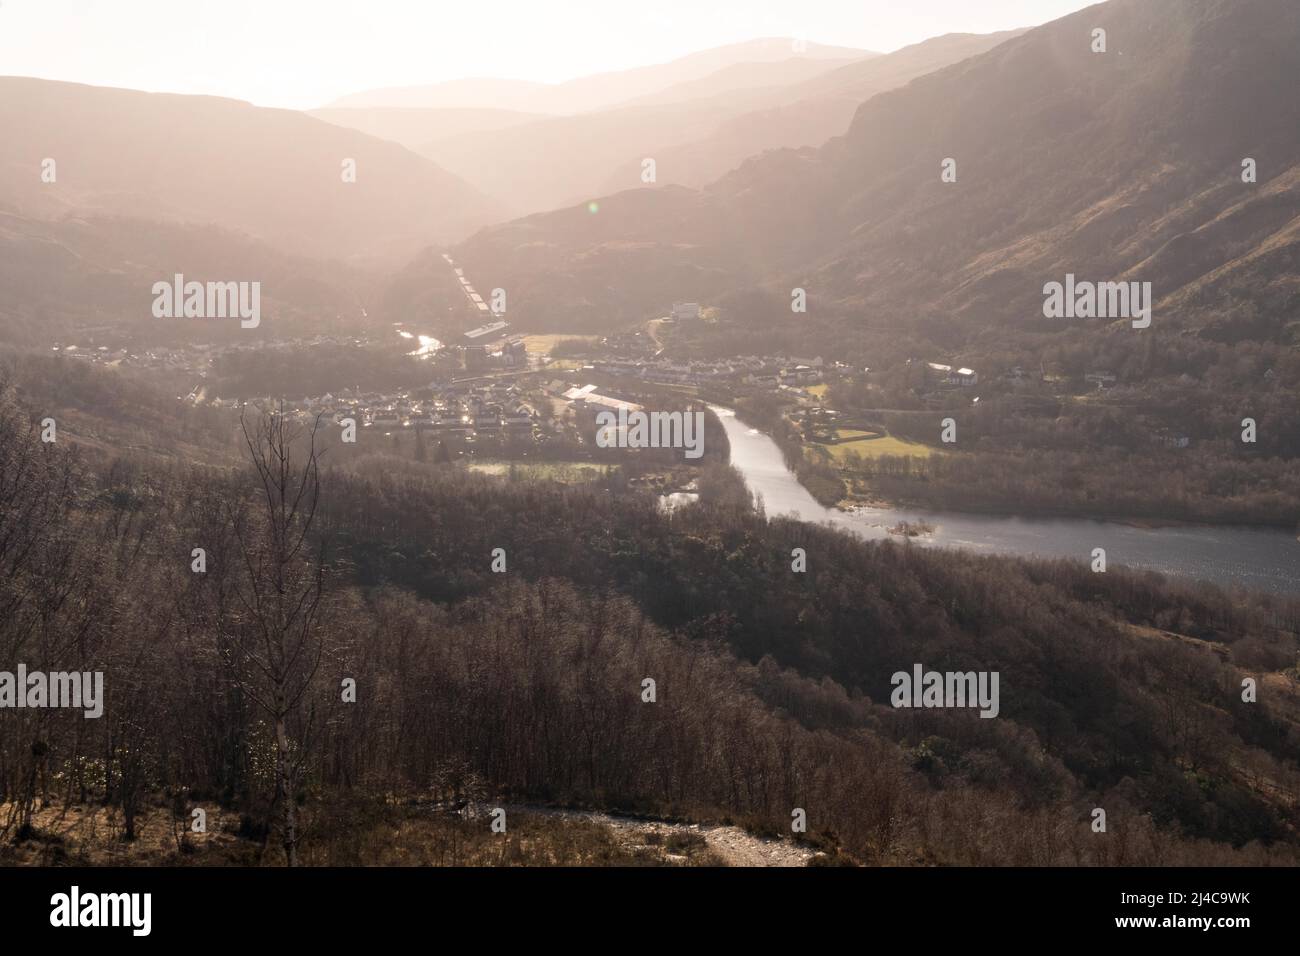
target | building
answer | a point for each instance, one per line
(800, 375)
(577, 394)
(514, 354)
(686, 310)
(486, 332)
(587, 396)
(947, 375)
(521, 416)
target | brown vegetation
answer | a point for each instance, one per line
(526, 687)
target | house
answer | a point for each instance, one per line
(612, 403)
(947, 375)
(686, 310)
(520, 417)
(587, 396)
(514, 354)
(800, 375)
(492, 330)
(577, 394)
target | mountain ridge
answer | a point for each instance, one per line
(276, 175)
(1067, 161)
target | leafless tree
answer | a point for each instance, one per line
(277, 641)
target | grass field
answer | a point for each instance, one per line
(541, 344)
(562, 471)
(845, 434)
(818, 391)
(867, 446)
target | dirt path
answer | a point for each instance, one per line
(732, 845)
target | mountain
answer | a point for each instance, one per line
(806, 113)
(563, 160)
(275, 175)
(414, 128)
(742, 83)
(598, 91)
(1123, 165)
(857, 82)
(78, 279)
(695, 131)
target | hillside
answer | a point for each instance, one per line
(414, 127)
(1117, 690)
(89, 280)
(1122, 165)
(695, 130)
(806, 113)
(598, 91)
(275, 175)
(751, 81)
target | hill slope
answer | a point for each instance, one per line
(414, 128)
(803, 114)
(598, 91)
(560, 160)
(273, 174)
(1122, 165)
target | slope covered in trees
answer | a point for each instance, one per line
(1122, 165)
(1119, 691)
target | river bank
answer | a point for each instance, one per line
(1253, 558)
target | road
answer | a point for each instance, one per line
(732, 845)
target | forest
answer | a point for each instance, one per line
(345, 642)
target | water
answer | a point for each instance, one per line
(428, 344)
(1263, 560)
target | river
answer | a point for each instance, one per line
(428, 344)
(1262, 560)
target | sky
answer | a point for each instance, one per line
(301, 54)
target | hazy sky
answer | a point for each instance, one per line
(303, 53)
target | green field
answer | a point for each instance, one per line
(844, 434)
(872, 445)
(542, 344)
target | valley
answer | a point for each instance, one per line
(421, 468)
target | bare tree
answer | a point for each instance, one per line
(277, 641)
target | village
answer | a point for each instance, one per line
(492, 383)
